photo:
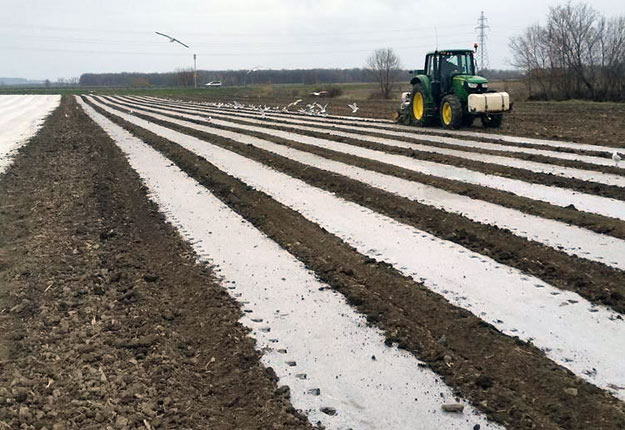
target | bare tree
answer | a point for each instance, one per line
(184, 77)
(577, 54)
(612, 43)
(532, 54)
(385, 66)
(573, 29)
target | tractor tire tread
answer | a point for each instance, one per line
(456, 111)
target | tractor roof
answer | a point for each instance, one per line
(451, 51)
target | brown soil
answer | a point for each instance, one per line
(518, 155)
(522, 174)
(512, 381)
(575, 121)
(441, 132)
(570, 215)
(488, 168)
(106, 321)
(583, 122)
(594, 281)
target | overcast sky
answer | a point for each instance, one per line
(64, 38)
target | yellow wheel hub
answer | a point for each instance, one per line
(418, 106)
(447, 113)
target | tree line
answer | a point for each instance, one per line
(184, 77)
(578, 53)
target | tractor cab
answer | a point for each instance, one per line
(442, 66)
(448, 88)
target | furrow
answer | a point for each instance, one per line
(341, 363)
(523, 379)
(587, 339)
(571, 240)
(547, 171)
(553, 195)
(414, 131)
(536, 167)
(598, 162)
(597, 282)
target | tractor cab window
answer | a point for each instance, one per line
(429, 67)
(456, 63)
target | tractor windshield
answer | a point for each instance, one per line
(457, 63)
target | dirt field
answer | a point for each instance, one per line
(576, 121)
(108, 319)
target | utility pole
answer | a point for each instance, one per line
(482, 26)
(194, 71)
(172, 40)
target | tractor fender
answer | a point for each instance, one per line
(424, 82)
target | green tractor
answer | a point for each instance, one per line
(449, 90)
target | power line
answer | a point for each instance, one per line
(229, 53)
(220, 43)
(280, 34)
(482, 54)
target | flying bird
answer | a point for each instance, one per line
(616, 157)
(322, 109)
(294, 103)
(171, 39)
(354, 107)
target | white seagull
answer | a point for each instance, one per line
(294, 103)
(616, 157)
(322, 109)
(171, 39)
(354, 107)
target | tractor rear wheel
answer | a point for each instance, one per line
(451, 112)
(492, 121)
(417, 109)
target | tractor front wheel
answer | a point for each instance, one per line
(418, 113)
(451, 112)
(492, 121)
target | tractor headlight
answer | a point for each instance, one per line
(470, 85)
(484, 85)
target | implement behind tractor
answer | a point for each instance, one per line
(448, 89)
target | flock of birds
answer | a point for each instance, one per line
(315, 108)
(311, 109)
